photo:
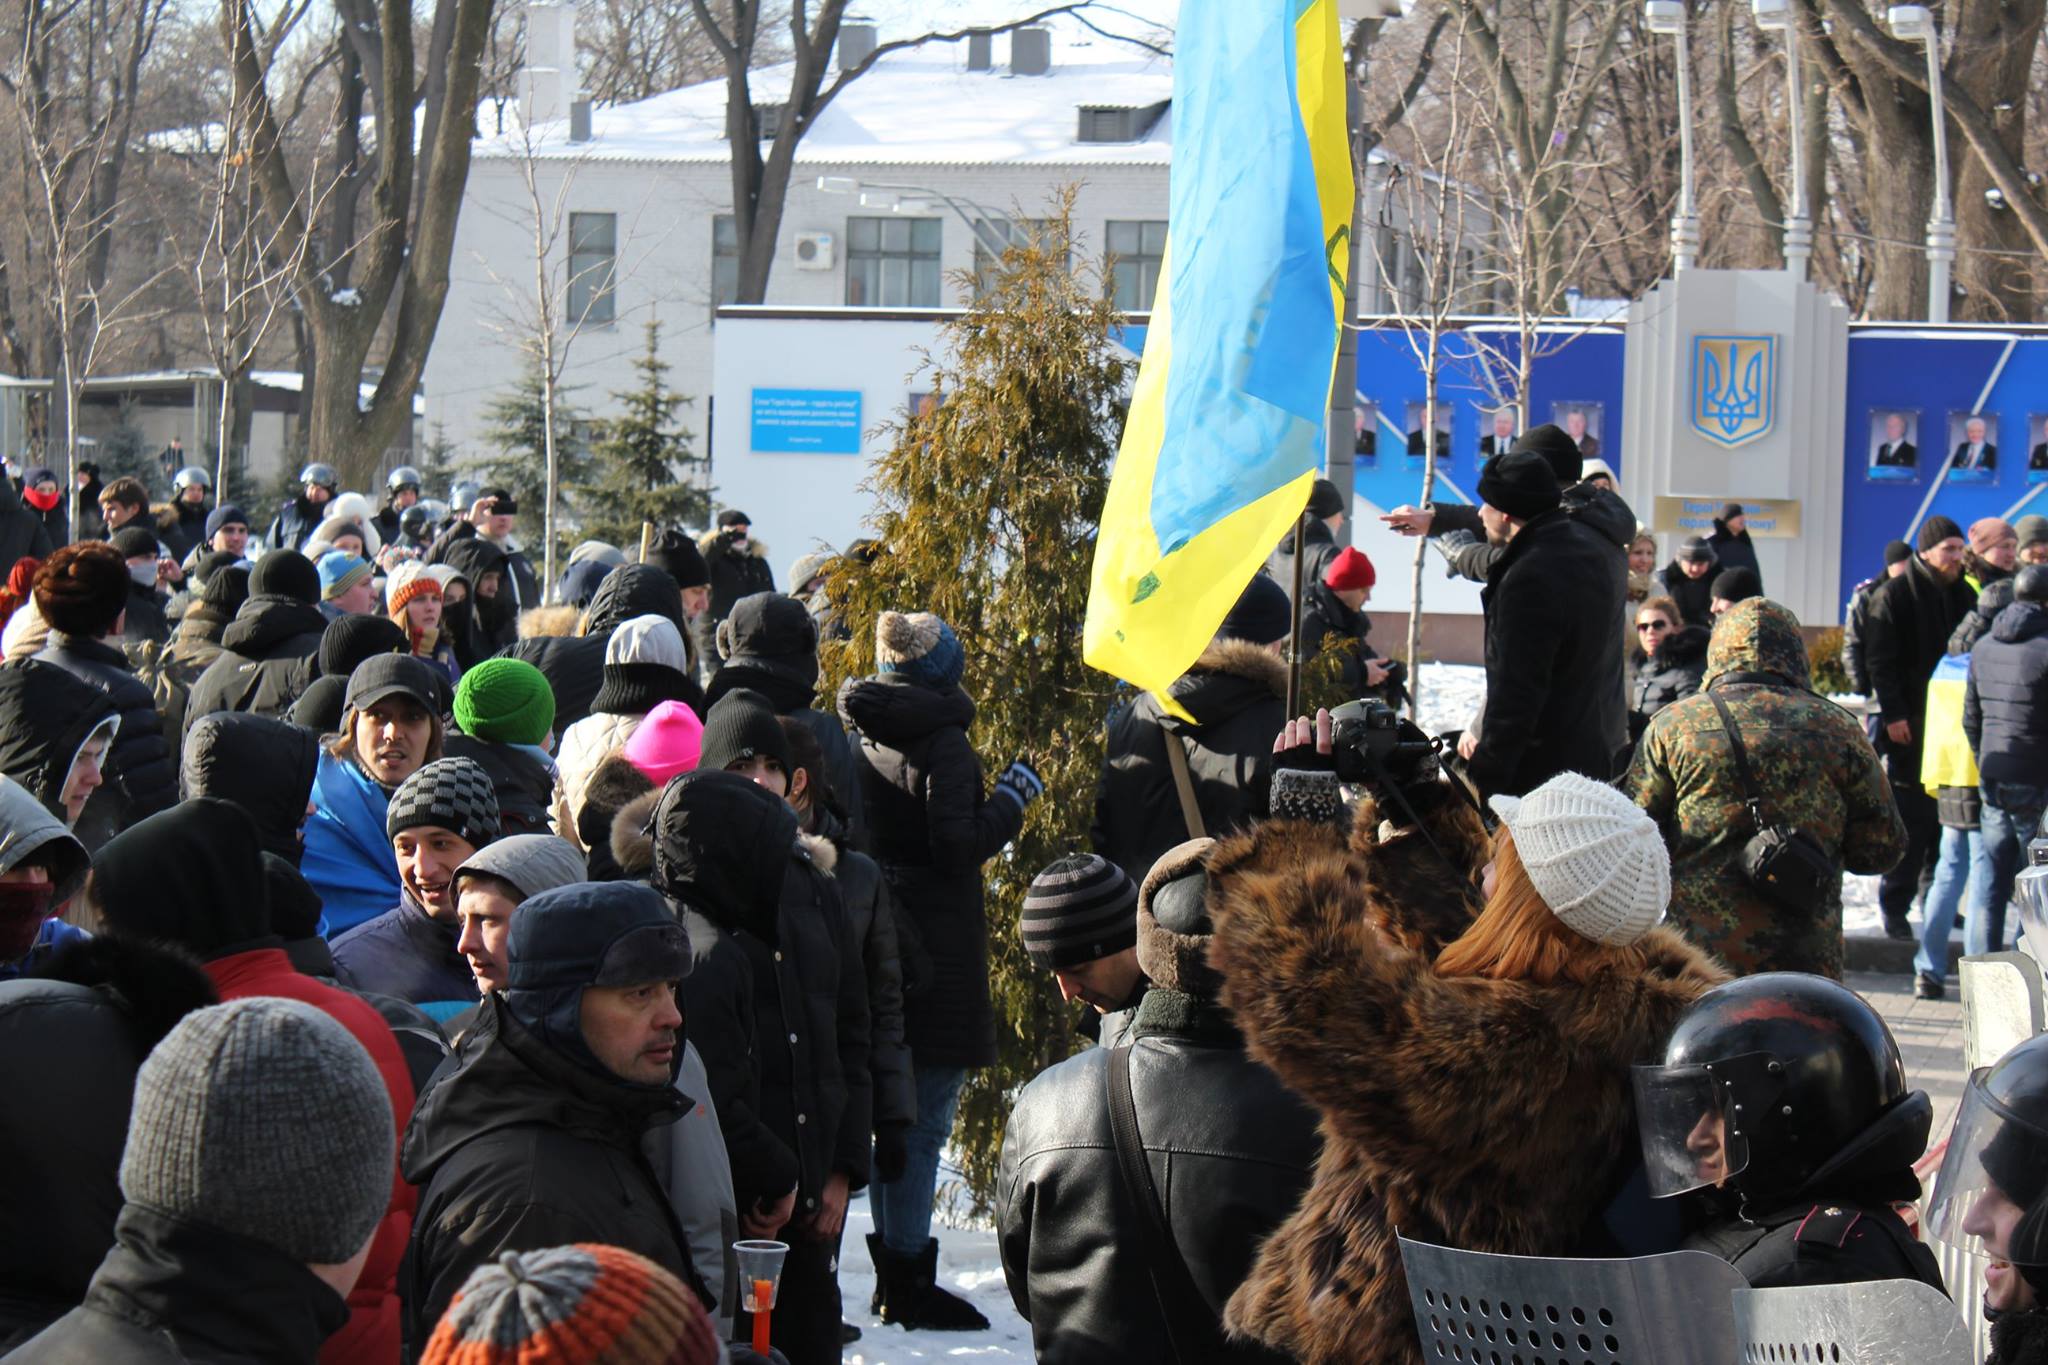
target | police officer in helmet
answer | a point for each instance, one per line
(1782, 1101)
(297, 520)
(1991, 1198)
(401, 491)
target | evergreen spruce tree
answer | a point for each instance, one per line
(437, 464)
(988, 505)
(645, 468)
(518, 428)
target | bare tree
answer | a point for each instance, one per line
(760, 182)
(73, 86)
(375, 263)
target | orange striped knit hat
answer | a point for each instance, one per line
(574, 1305)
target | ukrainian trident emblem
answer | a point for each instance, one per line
(1734, 387)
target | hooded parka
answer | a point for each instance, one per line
(574, 664)
(46, 717)
(141, 775)
(265, 766)
(933, 825)
(1814, 769)
(262, 664)
(1236, 693)
(2005, 702)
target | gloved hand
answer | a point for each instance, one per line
(1020, 784)
(892, 1152)
(1448, 544)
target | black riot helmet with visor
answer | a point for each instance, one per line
(1991, 1198)
(1771, 1083)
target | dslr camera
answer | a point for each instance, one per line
(1371, 743)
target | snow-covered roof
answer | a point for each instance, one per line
(917, 107)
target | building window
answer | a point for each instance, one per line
(725, 260)
(593, 255)
(1135, 249)
(1006, 231)
(892, 262)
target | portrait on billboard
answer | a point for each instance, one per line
(1582, 422)
(922, 404)
(1894, 444)
(1365, 431)
(1414, 429)
(1973, 436)
(1502, 426)
(2037, 447)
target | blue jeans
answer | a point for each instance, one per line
(903, 1208)
(2012, 812)
(1962, 861)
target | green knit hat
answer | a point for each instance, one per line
(505, 701)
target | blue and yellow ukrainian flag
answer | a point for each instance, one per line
(1225, 434)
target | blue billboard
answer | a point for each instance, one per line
(806, 421)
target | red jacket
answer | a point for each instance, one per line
(371, 1336)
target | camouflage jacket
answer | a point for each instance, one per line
(1814, 770)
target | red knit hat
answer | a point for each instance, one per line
(1348, 570)
(595, 1305)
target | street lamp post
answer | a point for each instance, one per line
(982, 227)
(1777, 15)
(1668, 17)
(1915, 23)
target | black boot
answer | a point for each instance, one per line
(915, 1301)
(879, 1254)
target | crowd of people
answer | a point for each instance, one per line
(431, 967)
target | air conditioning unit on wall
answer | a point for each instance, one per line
(814, 251)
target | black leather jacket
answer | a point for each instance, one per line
(1231, 1150)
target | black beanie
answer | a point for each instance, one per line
(1935, 530)
(348, 640)
(741, 725)
(286, 573)
(1738, 584)
(679, 554)
(1556, 447)
(227, 587)
(1262, 614)
(211, 562)
(1079, 910)
(1520, 483)
(1324, 500)
(1896, 550)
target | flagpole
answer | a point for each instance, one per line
(1294, 626)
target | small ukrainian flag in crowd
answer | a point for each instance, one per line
(1226, 427)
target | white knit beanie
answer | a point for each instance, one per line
(1592, 854)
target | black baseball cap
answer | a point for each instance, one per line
(391, 675)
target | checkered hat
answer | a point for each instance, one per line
(454, 794)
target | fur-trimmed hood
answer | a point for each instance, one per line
(548, 622)
(708, 541)
(633, 837)
(1229, 676)
(1478, 1113)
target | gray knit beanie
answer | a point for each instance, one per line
(265, 1119)
(454, 794)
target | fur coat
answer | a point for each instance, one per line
(1481, 1114)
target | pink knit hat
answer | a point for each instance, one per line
(667, 742)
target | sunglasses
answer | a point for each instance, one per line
(1653, 625)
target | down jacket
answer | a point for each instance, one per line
(141, 775)
(2005, 703)
(263, 664)
(871, 923)
(72, 1045)
(1237, 694)
(1484, 1114)
(933, 825)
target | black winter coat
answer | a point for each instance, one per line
(141, 775)
(734, 573)
(1236, 693)
(526, 786)
(1231, 1151)
(263, 666)
(574, 665)
(871, 923)
(22, 534)
(933, 825)
(173, 1293)
(517, 1148)
(1590, 505)
(145, 622)
(1318, 547)
(1553, 658)
(1733, 552)
(1694, 596)
(49, 715)
(1670, 674)
(791, 695)
(488, 624)
(265, 766)
(2005, 702)
(72, 1047)
(1992, 599)
(1326, 623)
(1911, 619)
(1854, 623)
